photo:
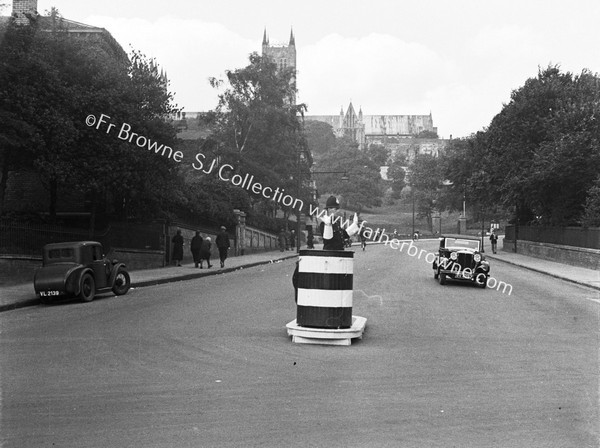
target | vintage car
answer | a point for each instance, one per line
(79, 269)
(460, 258)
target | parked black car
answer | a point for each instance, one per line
(460, 258)
(79, 269)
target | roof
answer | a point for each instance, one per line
(68, 244)
(48, 22)
(461, 237)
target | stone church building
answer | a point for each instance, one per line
(406, 134)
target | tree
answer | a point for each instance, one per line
(425, 180)
(466, 164)
(543, 147)
(397, 175)
(378, 153)
(258, 127)
(56, 81)
(427, 134)
(319, 137)
(364, 185)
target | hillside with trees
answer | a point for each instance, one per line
(539, 160)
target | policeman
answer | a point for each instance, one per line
(333, 233)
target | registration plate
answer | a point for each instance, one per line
(49, 293)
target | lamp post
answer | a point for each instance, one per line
(482, 230)
(412, 194)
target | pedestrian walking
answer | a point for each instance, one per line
(493, 240)
(205, 252)
(195, 246)
(287, 240)
(310, 239)
(177, 248)
(223, 245)
(282, 240)
(363, 239)
(293, 240)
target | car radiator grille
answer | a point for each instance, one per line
(465, 260)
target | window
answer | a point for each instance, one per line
(97, 253)
(60, 253)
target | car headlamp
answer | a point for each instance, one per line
(453, 256)
(477, 258)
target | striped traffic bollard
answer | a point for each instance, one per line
(325, 289)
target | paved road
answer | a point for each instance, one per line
(207, 363)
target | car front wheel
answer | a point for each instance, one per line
(481, 280)
(122, 283)
(442, 278)
(87, 289)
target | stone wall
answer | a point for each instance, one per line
(17, 269)
(574, 256)
(138, 259)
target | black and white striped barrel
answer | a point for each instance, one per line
(325, 288)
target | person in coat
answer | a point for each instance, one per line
(494, 240)
(282, 239)
(310, 239)
(223, 245)
(205, 252)
(195, 246)
(177, 248)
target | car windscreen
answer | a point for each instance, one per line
(457, 243)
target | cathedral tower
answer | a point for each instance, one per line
(284, 56)
(22, 9)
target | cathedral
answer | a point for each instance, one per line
(387, 130)
(408, 134)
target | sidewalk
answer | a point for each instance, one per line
(21, 295)
(575, 274)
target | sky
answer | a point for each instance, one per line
(456, 59)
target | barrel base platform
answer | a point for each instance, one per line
(327, 336)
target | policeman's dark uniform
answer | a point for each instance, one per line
(337, 241)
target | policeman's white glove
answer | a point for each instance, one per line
(353, 228)
(328, 229)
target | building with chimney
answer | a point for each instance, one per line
(24, 12)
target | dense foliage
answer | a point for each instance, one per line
(351, 174)
(258, 131)
(49, 83)
(540, 156)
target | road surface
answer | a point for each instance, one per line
(208, 363)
